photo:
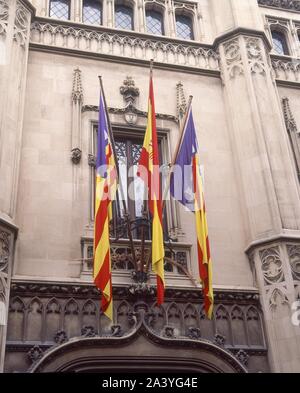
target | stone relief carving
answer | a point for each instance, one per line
(35, 353)
(4, 250)
(21, 25)
(255, 56)
(233, 58)
(4, 12)
(287, 70)
(243, 357)
(130, 94)
(294, 256)
(288, 4)
(71, 305)
(76, 155)
(271, 266)
(277, 298)
(124, 45)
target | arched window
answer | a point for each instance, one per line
(92, 12)
(184, 27)
(59, 9)
(154, 22)
(123, 17)
(279, 43)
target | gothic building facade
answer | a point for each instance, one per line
(240, 60)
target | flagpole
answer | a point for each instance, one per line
(145, 204)
(126, 214)
(173, 159)
(176, 152)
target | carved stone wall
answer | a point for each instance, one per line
(278, 274)
(116, 44)
(259, 143)
(42, 315)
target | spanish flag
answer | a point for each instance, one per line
(106, 183)
(148, 170)
(186, 186)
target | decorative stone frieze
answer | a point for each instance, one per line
(51, 314)
(286, 70)
(127, 45)
(293, 5)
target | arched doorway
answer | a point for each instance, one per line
(141, 351)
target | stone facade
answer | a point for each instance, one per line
(247, 113)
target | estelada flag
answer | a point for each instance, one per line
(186, 186)
(148, 170)
(105, 190)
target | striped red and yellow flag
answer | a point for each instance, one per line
(148, 170)
(106, 183)
(204, 258)
(186, 186)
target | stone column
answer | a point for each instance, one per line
(15, 17)
(266, 174)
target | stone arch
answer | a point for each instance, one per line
(102, 354)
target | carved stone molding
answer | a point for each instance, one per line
(49, 289)
(286, 70)
(68, 36)
(4, 13)
(293, 5)
(122, 111)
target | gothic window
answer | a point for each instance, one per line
(279, 43)
(154, 22)
(123, 17)
(60, 9)
(184, 27)
(92, 12)
(128, 150)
